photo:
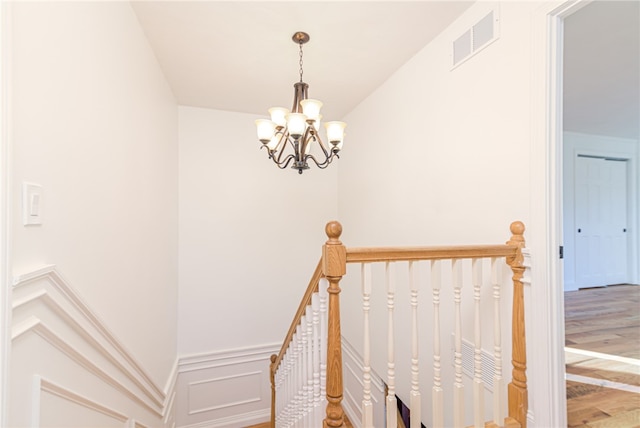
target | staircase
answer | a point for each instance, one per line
(307, 373)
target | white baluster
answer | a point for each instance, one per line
(478, 385)
(297, 371)
(315, 305)
(309, 375)
(458, 387)
(392, 409)
(302, 371)
(438, 399)
(498, 411)
(414, 400)
(290, 384)
(295, 377)
(283, 388)
(278, 376)
(279, 393)
(324, 321)
(288, 405)
(282, 403)
(367, 405)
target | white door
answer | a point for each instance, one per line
(600, 221)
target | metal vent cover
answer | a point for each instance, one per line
(476, 38)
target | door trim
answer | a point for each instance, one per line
(547, 363)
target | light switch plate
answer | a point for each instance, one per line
(31, 204)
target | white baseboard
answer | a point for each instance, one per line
(224, 389)
(241, 420)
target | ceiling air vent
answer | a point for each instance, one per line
(475, 39)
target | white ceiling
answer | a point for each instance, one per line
(602, 69)
(238, 55)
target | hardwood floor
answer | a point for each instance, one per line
(602, 338)
(268, 424)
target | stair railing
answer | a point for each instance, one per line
(298, 371)
(299, 407)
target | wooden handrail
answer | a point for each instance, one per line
(306, 300)
(396, 254)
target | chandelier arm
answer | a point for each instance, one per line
(326, 152)
(284, 139)
(285, 163)
(305, 139)
(321, 165)
(279, 148)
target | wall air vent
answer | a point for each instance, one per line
(487, 362)
(475, 38)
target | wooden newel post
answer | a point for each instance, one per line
(518, 396)
(334, 266)
(272, 370)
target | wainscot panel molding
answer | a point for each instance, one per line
(45, 390)
(353, 388)
(68, 368)
(224, 389)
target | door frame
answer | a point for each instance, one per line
(548, 403)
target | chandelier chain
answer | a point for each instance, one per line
(300, 43)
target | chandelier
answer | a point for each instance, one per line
(291, 137)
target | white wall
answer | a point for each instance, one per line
(95, 123)
(436, 151)
(5, 275)
(441, 156)
(250, 238)
(250, 234)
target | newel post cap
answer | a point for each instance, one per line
(333, 229)
(334, 254)
(517, 239)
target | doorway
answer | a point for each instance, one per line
(599, 208)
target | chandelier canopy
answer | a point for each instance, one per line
(292, 137)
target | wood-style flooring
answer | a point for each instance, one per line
(602, 338)
(268, 424)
